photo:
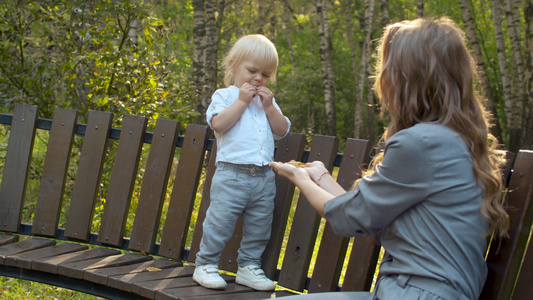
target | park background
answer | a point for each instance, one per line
(162, 58)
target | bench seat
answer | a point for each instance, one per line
(119, 212)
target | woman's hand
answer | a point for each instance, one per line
(292, 173)
(320, 175)
(316, 169)
(316, 195)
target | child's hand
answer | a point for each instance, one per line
(247, 92)
(266, 95)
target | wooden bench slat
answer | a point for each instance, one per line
(508, 168)
(155, 180)
(305, 223)
(17, 165)
(148, 289)
(125, 282)
(184, 292)
(505, 255)
(290, 147)
(88, 176)
(242, 296)
(122, 180)
(362, 262)
(184, 191)
(56, 162)
(330, 257)
(361, 266)
(23, 246)
(51, 264)
(25, 259)
(523, 288)
(6, 239)
(206, 199)
(76, 269)
(100, 275)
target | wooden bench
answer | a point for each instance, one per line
(152, 259)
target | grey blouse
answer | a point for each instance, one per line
(423, 205)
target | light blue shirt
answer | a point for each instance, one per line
(250, 140)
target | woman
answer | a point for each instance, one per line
(433, 194)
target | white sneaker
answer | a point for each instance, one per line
(252, 276)
(209, 277)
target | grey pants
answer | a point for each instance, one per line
(392, 288)
(235, 190)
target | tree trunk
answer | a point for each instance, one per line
(384, 13)
(204, 68)
(262, 16)
(510, 101)
(371, 115)
(470, 29)
(198, 57)
(348, 10)
(326, 58)
(363, 75)
(212, 33)
(419, 8)
(133, 34)
(516, 131)
(289, 29)
(528, 75)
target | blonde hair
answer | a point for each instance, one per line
(425, 74)
(255, 47)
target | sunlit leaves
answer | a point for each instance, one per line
(102, 55)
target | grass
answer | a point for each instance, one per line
(11, 288)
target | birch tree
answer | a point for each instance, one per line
(372, 113)
(384, 13)
(528, 75)
(470, 30)
(511, 103)
(419, 8)
(363, 75)
(212, 37)
(348, 11)
(326, 60)
(516, 131)
(204, 68)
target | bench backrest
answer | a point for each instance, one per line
(504, 258)
(119, 150)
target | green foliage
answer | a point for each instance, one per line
(135, 56)
(91, 55)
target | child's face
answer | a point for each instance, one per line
(250, 72)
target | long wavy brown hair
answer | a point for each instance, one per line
(425, 74)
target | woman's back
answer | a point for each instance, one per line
(443, 236)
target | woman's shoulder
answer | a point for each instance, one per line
(429, 131)
(430, 136)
